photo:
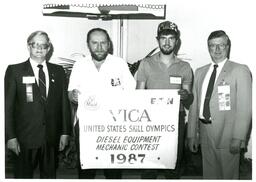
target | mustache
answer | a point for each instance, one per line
(167, 46)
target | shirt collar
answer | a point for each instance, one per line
(34, 63)
(106, 59)
(176, 60)
(221, 64)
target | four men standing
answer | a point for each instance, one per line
(37, 111)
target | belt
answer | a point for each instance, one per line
(205, 121)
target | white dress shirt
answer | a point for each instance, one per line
(206, 82)
(36, 73)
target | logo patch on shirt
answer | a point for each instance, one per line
(91, 103)
(115, 82)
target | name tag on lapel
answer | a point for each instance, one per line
(29, 92)
(28, 79)
(224, 97)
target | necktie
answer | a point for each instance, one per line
(42, 86)
(206, 111)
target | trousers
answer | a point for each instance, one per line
(171, 173)
(28, 159)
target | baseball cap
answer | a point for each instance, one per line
(169, 27)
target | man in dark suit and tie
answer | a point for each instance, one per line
(221, 110)
(37, 110)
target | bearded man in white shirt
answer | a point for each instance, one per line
(98, 71)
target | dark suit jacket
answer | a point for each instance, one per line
(33, 123)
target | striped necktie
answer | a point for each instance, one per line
(42, 85)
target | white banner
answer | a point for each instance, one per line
(135, 129)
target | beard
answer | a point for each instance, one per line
(166, 51)
(100, 56)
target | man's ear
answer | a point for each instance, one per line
(157, 40)
(176, 42)
(28, 47)
(48, 49)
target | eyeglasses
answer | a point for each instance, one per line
(220, 46)
(39, 46)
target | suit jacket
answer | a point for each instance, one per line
(228, 124)
(33, 123)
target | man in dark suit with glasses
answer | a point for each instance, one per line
(37, 110)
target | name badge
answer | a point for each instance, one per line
(28, 79)
(224, 97)
(29, 92)
(175, 79)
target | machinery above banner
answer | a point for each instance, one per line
(106, 11)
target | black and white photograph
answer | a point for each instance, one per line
(127, 90)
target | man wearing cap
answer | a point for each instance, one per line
(222, 109)
(164, 70)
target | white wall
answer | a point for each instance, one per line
(196, 19)
(140, 38)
